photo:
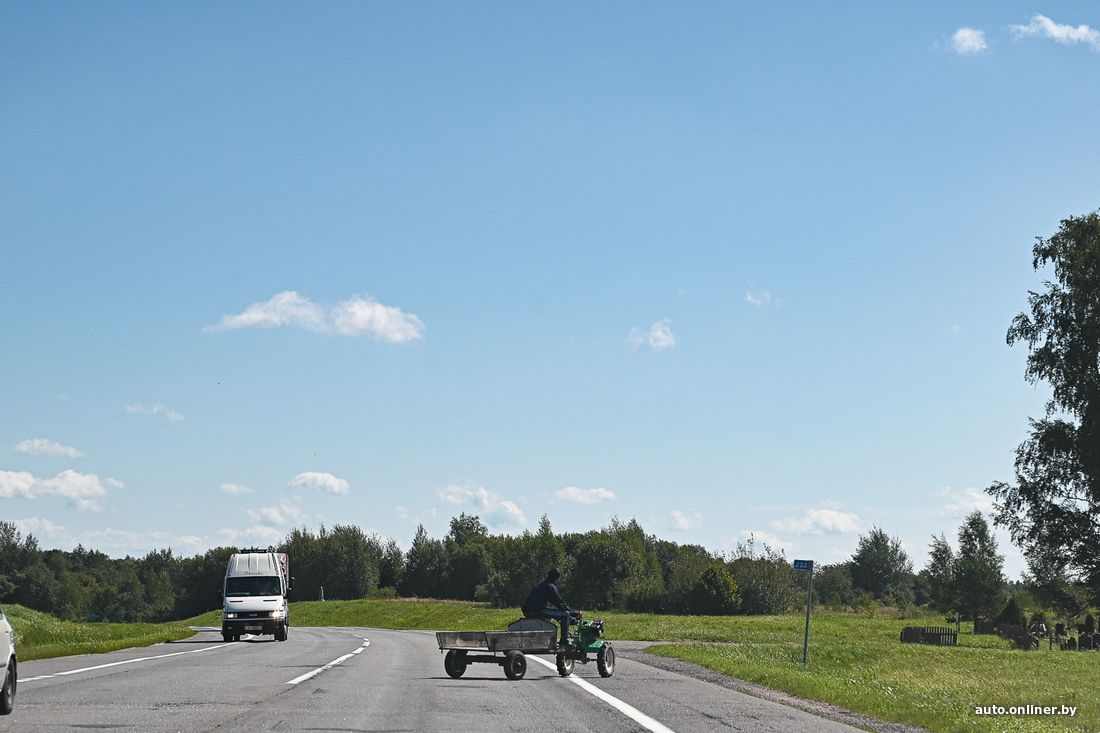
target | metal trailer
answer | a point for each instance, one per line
(525, 636)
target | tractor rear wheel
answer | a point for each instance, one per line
(605, 660)
(565, 665)
(455, 663)
(515, 665)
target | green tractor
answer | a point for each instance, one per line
(586, 636)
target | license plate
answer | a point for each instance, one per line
(253, 628)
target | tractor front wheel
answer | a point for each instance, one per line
(605, 660)
(565, 665)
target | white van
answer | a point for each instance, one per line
(10, 673)
(254, 595)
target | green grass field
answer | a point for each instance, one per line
(856, 661)
(41, 636)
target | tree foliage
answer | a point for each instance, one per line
(880, 566)
(1051, 509)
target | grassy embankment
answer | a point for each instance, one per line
(856, 661)
(41, 636)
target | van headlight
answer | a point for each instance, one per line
(276, 614)
(231, 615)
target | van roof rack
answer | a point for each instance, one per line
(248, 550)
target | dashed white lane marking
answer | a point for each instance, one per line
(628, 710)
(330, 665)
(116, 664)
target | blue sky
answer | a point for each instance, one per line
(725, 268)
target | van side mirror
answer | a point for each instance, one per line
(290, 585)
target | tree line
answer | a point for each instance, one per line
(617, 567)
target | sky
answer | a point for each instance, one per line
(732, 269)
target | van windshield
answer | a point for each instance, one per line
(263, 585)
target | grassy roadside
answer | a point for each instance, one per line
(41, 636)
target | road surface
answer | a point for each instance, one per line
(345, 679)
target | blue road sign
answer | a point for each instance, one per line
(802, 564)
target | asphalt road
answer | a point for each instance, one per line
(384, 681)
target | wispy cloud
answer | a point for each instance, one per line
(681, 521)
(286, 513)
(958, 503)
(659, 336)
(759, 298)
(410, 518)
(113, 541)
(1041, 25)
(153, 409)
(768, 539)
(82, 491)
(259, 535)
(326, 483)
(353, 317)
(820, 521)
(43, 447)
(491, 506)
(584, 496)
(967, 41)
(229, 488)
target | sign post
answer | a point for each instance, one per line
(807, 565)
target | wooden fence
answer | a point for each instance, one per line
(936, 635)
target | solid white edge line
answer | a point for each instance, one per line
(330, 665)
(628, 710)
(116, 664)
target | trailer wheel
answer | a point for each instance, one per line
(605, 660)
(455, 663)
(565, 665)
(515, 665)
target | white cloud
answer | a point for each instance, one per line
(259, 535)
(235, 489)
(960, 503)
(1041, 25)
(659, 336)
(323, 482)
(763, 538)
(758, 298)
(408, 517)
(43, 447)
(40, 527)
(80, 490)
(138, 408)
(284, 514)
(358, 316)
(585, 496)
(820, 521)
(491, 507)
(681, 521)
(285, 308)
(353, 317)
(968, 41)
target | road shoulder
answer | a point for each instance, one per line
(637, 651)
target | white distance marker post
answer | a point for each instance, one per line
(807, 565)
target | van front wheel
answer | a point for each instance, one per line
(7, 694)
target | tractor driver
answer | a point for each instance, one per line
(542, 597)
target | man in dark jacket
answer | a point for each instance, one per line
(542, 597)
